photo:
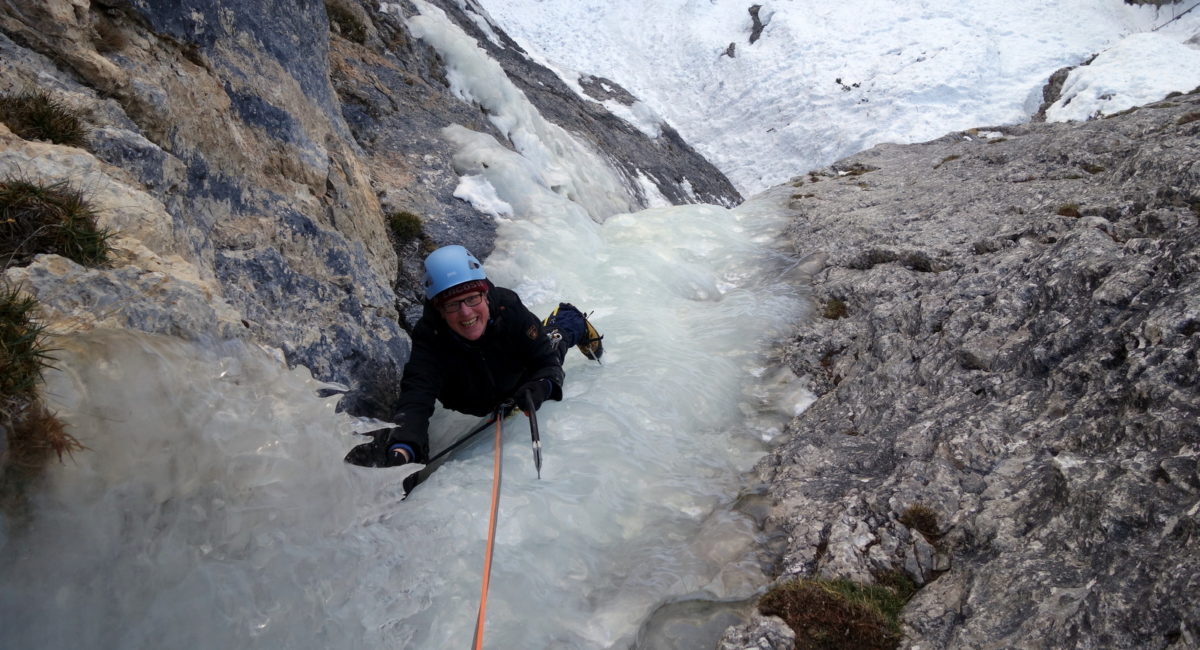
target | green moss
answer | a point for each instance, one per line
(36, 115)
(1188, 118)
(48, 218)
(836, 614)
(902, 589)
(1091, 168)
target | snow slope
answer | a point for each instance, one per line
(829, 79)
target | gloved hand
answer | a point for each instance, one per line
(537, 390)
(380, 452)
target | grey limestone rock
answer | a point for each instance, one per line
(761, 633)
(1051, 92)
(601, 89)
(1014, 347)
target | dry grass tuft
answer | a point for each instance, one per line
(36, 115)
(55, 218)
(34, 435)
(23, 354)
(37, 436)
(921, 519)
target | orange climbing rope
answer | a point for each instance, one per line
(491, 540)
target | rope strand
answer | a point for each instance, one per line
(491, 541)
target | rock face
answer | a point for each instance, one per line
(1051, 92)
(676, 170)
(1007, 365)
(249, 153)
(762, 633)
(757, 29)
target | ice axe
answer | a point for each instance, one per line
(531, 411)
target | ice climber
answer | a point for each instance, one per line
(475, 347)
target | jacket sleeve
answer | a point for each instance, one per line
(544, 360)
(419, 388)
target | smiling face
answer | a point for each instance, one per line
(467, 320)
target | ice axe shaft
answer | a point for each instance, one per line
(533, 432)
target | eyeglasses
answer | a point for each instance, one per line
(472, 300)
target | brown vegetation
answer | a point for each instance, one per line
(921, 519)
(36, 115)
(839, 614)
(48, 218)
(1069, 210)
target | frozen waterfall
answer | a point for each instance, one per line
(213, 510)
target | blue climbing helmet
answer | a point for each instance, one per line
(450, 266)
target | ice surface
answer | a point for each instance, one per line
(213, 508)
